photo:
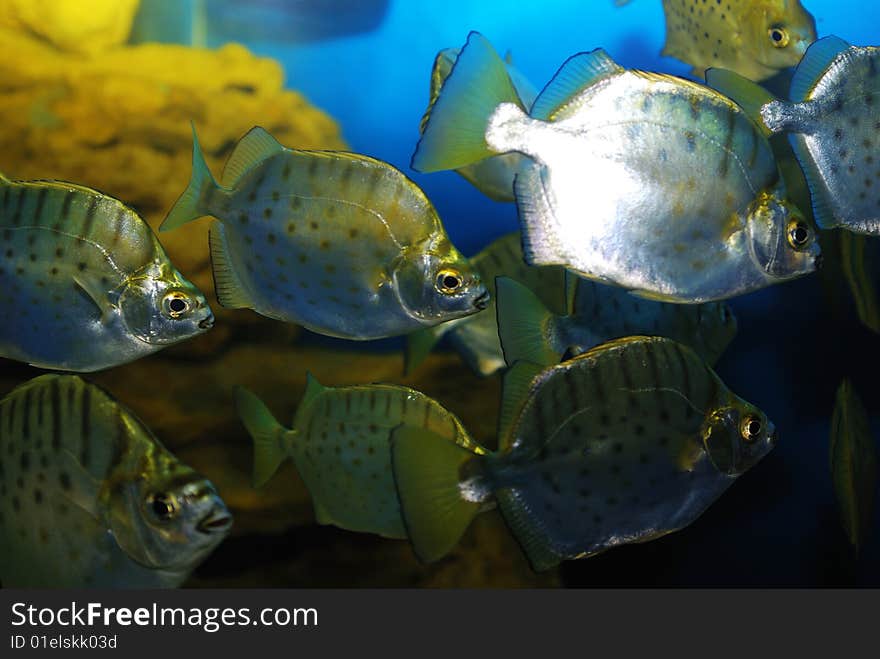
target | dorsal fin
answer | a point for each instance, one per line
(748, 95)
(253, 148)
(576, 74)
(816, 61)
(515, 389)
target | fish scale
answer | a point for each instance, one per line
(67, 256)
(340, 243)
(64, 442)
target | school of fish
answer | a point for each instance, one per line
(645, 201)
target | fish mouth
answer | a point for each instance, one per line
(483, 301)
(219, 521)
(206, 323)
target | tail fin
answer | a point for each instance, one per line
(426, 471)
(454, 133)
(191, 205)
(525, 325)
(266, 432)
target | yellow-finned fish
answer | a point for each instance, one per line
(627, 442)
(755, 38)
(340, 444)
(84, 283)
(342, 244)
(853, 453)
(90, 498)
(597, 313)
(644, 180)
(492, 176)
(475, 338)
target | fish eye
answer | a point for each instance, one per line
(751, 428)
(449, 282)
(798, 234)
(176, 304)
(163, 506)
(778, 36)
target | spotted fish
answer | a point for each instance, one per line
(339, 243)
(755, 38)
(833, 125)
(84, 284)
(475, 337)
(90, 498)
(529, 331)
(627, 442)
(647, 181)
(492, 176)
(340, 444)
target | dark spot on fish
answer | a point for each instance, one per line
(270, 238)
(25, 461)
(16, 505)
(691, 141)
(38, 496)
(267, 213)
(81, 266)
(663, 441)
(597, 519)
(352, 233)
(291, 227)
(324, 244)
(295, 203)
(313, 225)
(853, 121)
(843, 153)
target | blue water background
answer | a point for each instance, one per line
(778, 525)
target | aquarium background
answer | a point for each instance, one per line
(777, 526)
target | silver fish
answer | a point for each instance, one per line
(833, 125)
(342, 244)
(84, 284)
(625, 443)
(90, 498)
(643, 180)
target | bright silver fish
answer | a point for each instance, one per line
(643, 180)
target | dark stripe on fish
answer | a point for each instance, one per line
(90, 216)
(427, 418)
(38, 206)
(85, 426)
(26, 418)
(655, 376)
(56, 416)
(16, 216)
(65, 207)
(724, 167)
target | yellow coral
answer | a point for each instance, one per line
(81, 26)
(120, 122)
